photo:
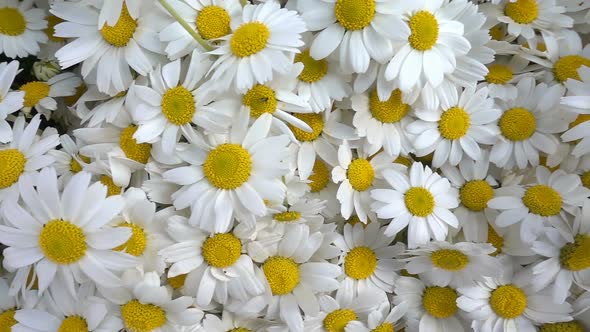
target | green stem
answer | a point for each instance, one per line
(185, 25)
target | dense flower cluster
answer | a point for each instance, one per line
(304, 165)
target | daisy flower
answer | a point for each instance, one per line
(527, 125)
(232, 176)
(504, 73)
(68, 160)
(368, 259)
(260, 45)
(357, 176)
(9, 304)
(215, 266)
(361, 31)
(209, 18)
(10, 101)
(429, 307)
(420, 200)
(230, 322)
(169, 108)
(459, 264)
(545, 202)
(41, 95)
(21, 30)
(105, 109)
(383, 319)
(109, 53)
(578, 101)
(110, 11)
(509, 302)
(383, 122)
(428, 43)
(65, 236)
(24, 155)
(456, 129)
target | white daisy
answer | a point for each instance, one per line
(261, 43)
(110, 11)
(21, 29)
(503, 73)
(420, 199)
(10, 101)
(230, 322)
(9, 304)
(40, 95)
(577, 101)
(104, 109)
(68, 160)
(383, 319)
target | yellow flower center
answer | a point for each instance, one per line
(354, 14)
(495, 239)
(542, 200)
(313, 70)
(360, 263)
(139, 317)
(385, 327)
(498, 31)
(314, 120)
(12, 22)
(573, 326)
(575, 256)
(449, 259)
(287, 216)
(586, 179)
(119, 34)
(360, 174)
(337, 320)
(34, 92)
(75, 166)
(222, 250)
(403, 161)
(517, 124)
(508, 301)
(454, 123)
(112, 188)
(475, 194)
(139, 152)
(7, 320)
(424, 31)
(62, 242)
(522, 11)
(240, 329)
(177, 281)
(440, 302)
(320, 176)
(249, 38)
(178, 105)
(499, 74)
(228, 166)
(389, 111)
(282, 274)
(419, 201)
(12, 165)
(137, 243)
(354, 219)
(567, 67)
(213, 22)
(261, 99)
(73, 324)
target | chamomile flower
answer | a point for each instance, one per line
(420, 201)
(230, 322)
(260, 45)
(21, 30)
(40, 95)
(107, 109)
(503, 73)
(110, 11)
(578, 101)
(527, 125)
(457, 129)
(383, 319)
(9, 304)
(65, 236)
(10, 101)
(68, 160)
(545, 202)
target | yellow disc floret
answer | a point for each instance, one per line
(354, 14)
(508, 301)
(385, 327)
(73, 324)
(12, 165)
(337, 320)
(424, 31)
(282, 274)
(137, 243)
(222, 250)
(228, 166)
(7, 320)
(139, 152)
(261, 99)
(213, 22)
(454, 123)
(240, 329)
(567, 67)
(119, 34)
(249, 38)
(389, 111)
(62, 242)
(475, 194)
(496, 240)
(542, 200)
(360, 263)
(320, 176)
(449, 259)
(287, 216)
(576, 256)
(573, 326)
(112, 188)
(12, 22)
(75, 166)
(34, 92)
(498, 32)
(178, 105)
(313, 70)
(177, 282)
(586, 179)
(360, 174)
(314, 120)
(140, 317)
(517, 124)
(419, 201)
(499, 74)
(440, 302)
(522, 11)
